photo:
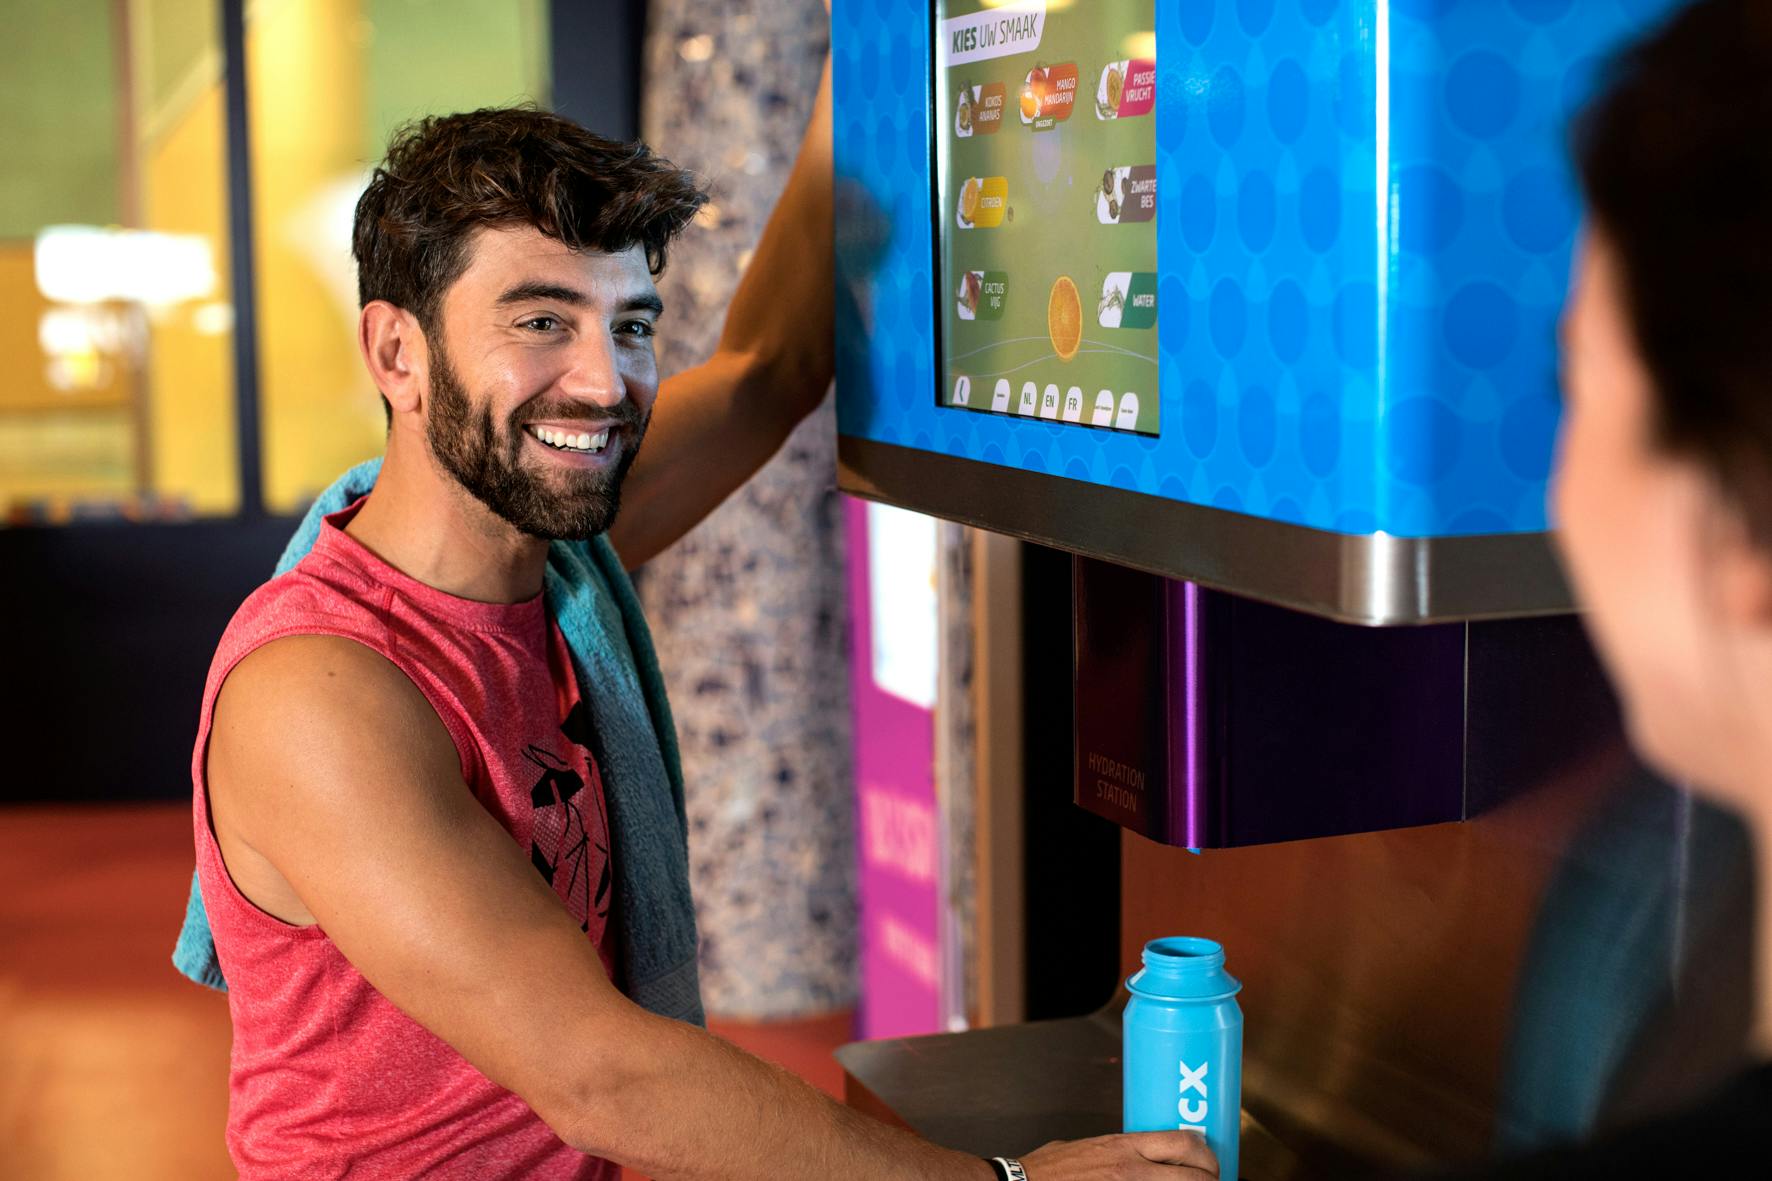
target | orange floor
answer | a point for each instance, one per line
(111, 1065)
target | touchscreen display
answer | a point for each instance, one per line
(1047, 205)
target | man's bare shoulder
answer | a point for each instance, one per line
(296, 685)
(314, 723)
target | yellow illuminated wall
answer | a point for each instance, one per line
(305, 72)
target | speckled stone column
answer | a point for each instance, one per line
(956, 772)
(748, 610)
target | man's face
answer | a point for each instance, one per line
(542, 379)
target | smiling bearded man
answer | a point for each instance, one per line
(439, 823)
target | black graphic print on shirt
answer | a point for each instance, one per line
(571, 855)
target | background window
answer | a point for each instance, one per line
(116, 381)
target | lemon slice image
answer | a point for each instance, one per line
(969, 194)
(1064, 318)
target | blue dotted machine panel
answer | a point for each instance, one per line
(1365, 216)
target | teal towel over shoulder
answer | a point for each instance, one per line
(635, 741)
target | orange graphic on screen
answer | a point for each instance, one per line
(1064, 318)
(1047, 95)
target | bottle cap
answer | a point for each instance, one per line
(1184, 967)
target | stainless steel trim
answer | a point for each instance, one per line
(1373, 579)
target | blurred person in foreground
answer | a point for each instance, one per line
(407, 854)
(1662, 493)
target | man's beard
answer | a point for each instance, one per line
(488, 463)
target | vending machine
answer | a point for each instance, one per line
(1251, 306)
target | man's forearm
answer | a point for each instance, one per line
(680, 1103)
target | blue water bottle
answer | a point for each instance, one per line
(1183, 1054)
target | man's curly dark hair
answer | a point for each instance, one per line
(448, 175)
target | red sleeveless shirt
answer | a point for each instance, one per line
(327, 1077)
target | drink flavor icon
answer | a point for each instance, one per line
(980, 295)
(983, 203)
(1127, 194)
(979, 109)
(1048, 94)
(1126, 89)
(1128, 300)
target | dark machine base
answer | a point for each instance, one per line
(1207, 720)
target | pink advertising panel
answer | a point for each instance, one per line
(892, 602)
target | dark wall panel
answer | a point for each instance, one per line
(595, 47)
(109, 630)
(1073, 932)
